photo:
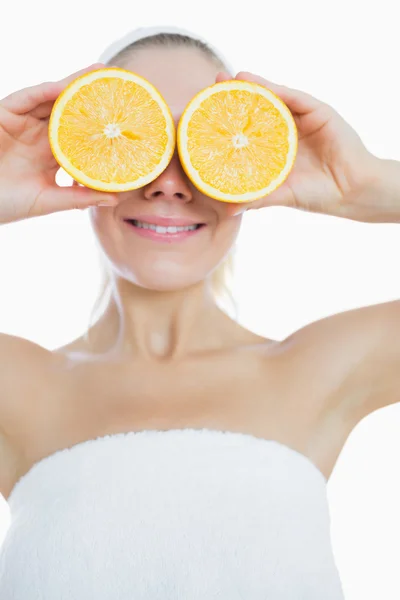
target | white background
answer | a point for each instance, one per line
(292, 267)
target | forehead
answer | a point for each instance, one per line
(178, 73)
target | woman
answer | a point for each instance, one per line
(171, 453)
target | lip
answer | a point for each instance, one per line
(165, 221)
(168, 238)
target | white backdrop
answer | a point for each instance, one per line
(292, 267)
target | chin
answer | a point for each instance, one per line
(166, 280)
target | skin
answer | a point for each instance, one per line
(163, 355)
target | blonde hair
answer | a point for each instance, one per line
(222, 276)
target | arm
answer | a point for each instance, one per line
(357, 355)
(360, 348)
(379, 200)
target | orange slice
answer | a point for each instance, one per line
(237, 141)
(111, 130)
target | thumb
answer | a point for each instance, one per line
(56, 199)
(281, 196)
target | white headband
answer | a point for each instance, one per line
(143, 32)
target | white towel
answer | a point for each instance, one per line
(183, 514)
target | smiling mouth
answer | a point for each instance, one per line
(171, 230)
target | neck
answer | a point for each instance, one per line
(161, 325)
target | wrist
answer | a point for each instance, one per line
(386, 187)
(379, 199)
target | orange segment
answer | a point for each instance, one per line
(237, 141)
(111, 130)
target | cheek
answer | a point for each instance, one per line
(98, 218)
(229, 222)
(103, 224)
(222, 239)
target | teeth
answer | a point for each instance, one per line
(160, 229)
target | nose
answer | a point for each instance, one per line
(171, 184)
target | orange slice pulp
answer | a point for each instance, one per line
(237, 141)
(111, 130)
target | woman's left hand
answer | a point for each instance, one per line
(332, 167)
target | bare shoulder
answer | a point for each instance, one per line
(24, 365)
(354, 354)
(19, 346)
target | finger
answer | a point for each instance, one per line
(297, 101)
(28, 99)
(56, 199)
(43, 111)
(222, 76)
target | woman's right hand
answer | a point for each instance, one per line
(28, 168)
